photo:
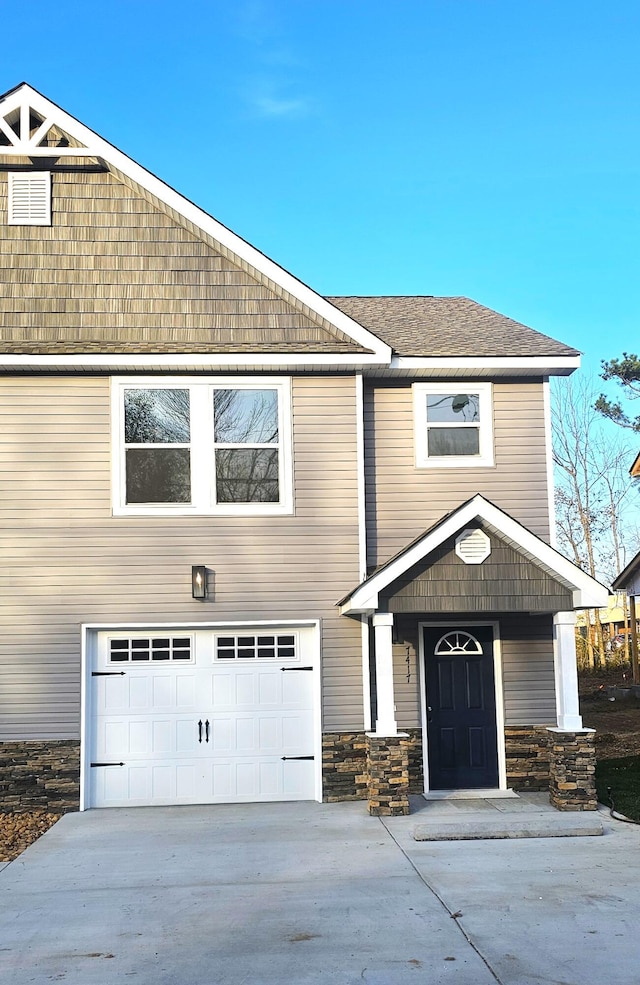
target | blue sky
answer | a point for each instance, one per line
(489, 148)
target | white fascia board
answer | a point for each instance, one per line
(108, 627)
(544, 365)
(98, 147)
(588, 593)
(185, 361)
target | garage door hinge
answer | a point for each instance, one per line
(298, 757)
(106, 764)
(295, 668)
(107, 673)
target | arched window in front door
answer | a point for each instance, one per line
(457, 642)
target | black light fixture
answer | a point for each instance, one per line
(199, 581)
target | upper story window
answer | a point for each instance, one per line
(453, 427)
(29, 198)
(220, 446)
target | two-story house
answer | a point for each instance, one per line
(259, 544)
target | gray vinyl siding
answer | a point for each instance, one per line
(403, 501)
(66, 560)
(527, 671)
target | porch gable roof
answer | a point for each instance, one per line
(587, 592)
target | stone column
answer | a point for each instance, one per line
(566, 672)
(388, 774)
(572, 767)
(386, 723)
(387, 750)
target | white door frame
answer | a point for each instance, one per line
(89, 642)
(498, 687)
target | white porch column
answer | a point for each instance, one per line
(386, 723)
(566, 672)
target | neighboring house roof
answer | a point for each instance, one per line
(629, 578)
(187, 316)
(587, 592)
(431, 326)
(634, 471)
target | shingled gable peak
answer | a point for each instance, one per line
(41, 133)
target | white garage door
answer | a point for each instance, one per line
(209, 716)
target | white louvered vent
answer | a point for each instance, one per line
(30, 199)
(473, 546)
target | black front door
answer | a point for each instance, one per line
(461, 708)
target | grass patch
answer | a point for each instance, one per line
(623, 776)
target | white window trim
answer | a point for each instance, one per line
(202, 446)
(485, 457)
(29, 177)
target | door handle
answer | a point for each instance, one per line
(206, 730)
(200, 731)
(429, 710)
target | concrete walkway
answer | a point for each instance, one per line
(527, 815)
(309, 894)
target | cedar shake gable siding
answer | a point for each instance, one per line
(506, 581)
(115, 273)
(430, 326)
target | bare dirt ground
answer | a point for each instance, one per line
(617, 725)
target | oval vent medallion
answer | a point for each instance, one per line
(473, 546)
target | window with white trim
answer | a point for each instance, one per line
(215, 446)
(453, 425)
(29, 198)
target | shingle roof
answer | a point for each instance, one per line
(430, 326)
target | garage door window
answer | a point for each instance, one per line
(250, 647)
(150, 649)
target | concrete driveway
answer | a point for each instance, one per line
(311, 893)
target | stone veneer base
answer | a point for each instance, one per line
(44, 774)
(388, 775)
(344, 765)
(572, 761)
(527, 757)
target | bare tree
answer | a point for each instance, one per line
(592, 493)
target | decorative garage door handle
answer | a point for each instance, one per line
(298, 757)
(206, 730)
(107, 673)
(200, 731)
(295, 668)
(107, 764)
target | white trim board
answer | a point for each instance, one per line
(587, 592)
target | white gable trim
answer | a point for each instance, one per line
(94, 146)
(462, 365)
(587, 592)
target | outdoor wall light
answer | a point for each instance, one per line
(199, 581)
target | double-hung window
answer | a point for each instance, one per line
(215, 446)
(453, 425)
